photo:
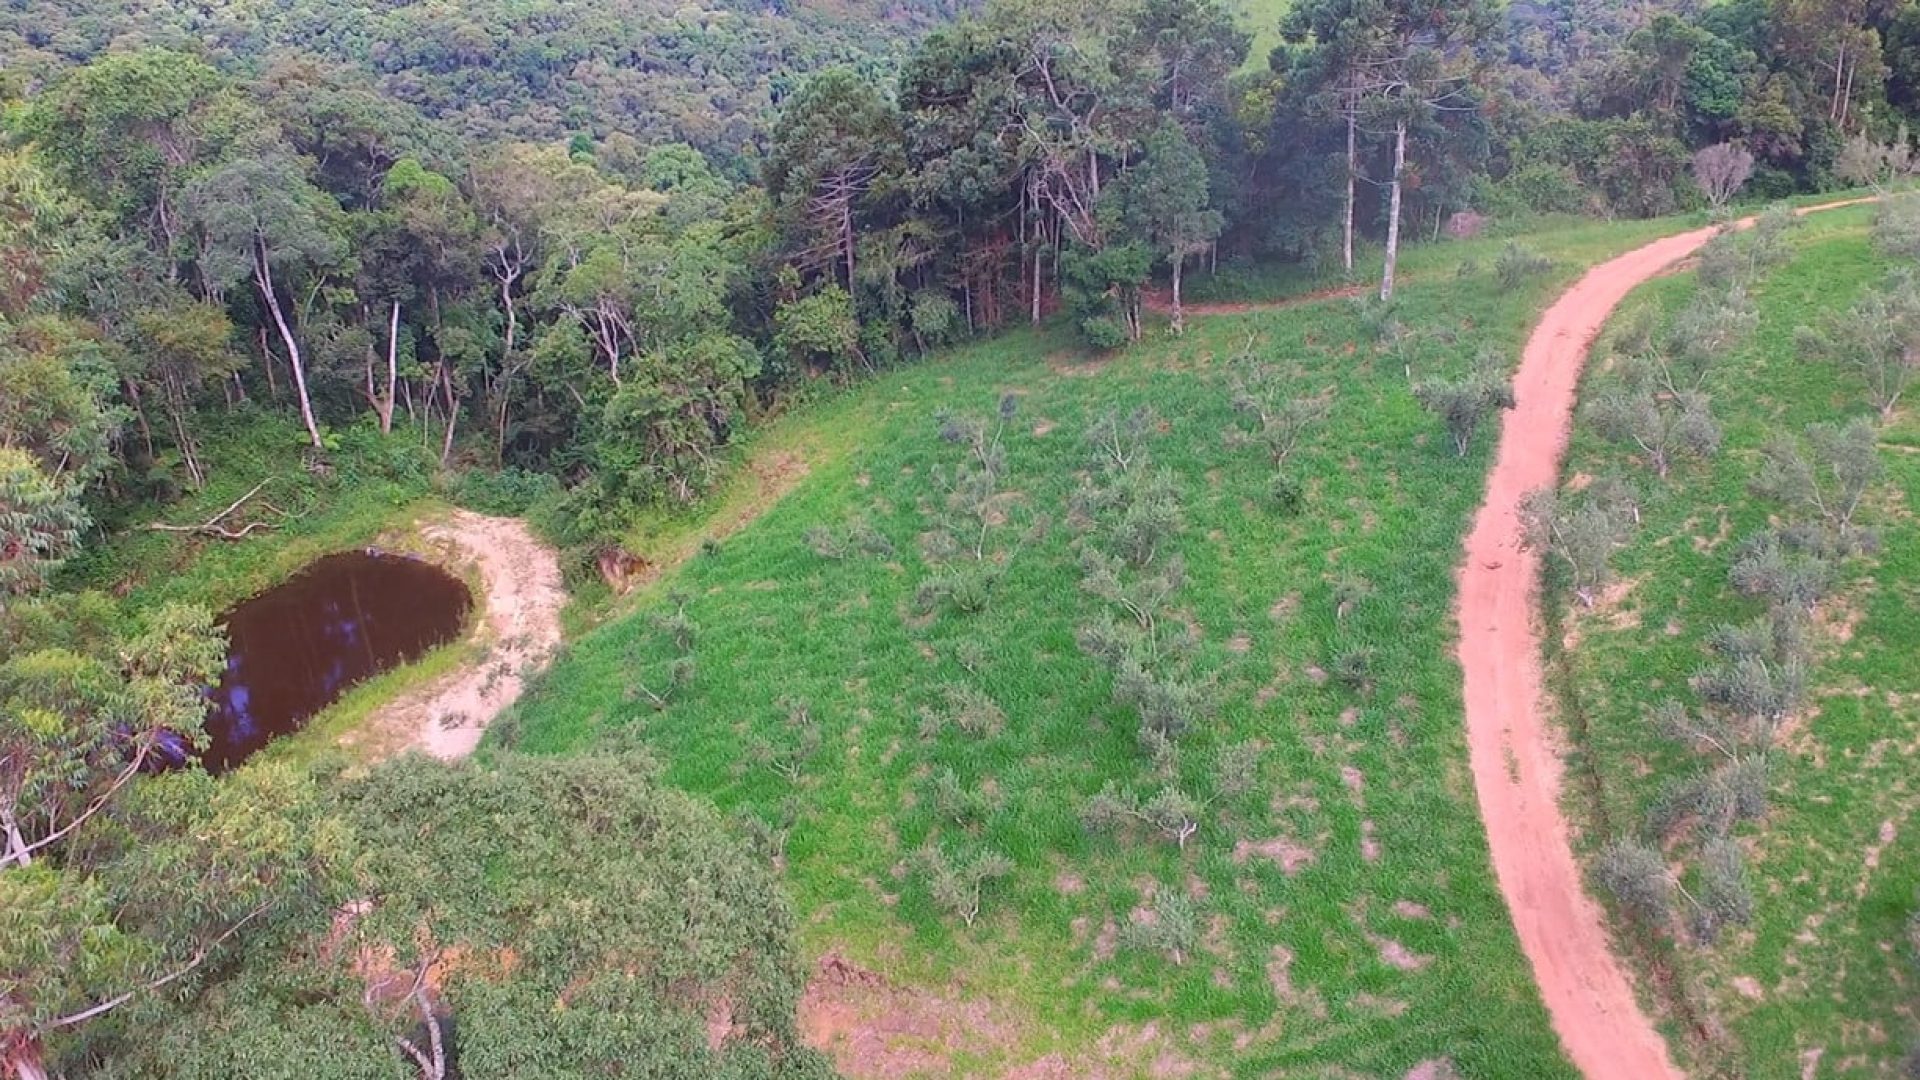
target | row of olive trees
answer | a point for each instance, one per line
(1684, 864)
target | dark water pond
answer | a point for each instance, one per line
(294, 649)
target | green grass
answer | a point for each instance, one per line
(1387, 502)
(376, 485)
(1827, 952)
(1261, 18)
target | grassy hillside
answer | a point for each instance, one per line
(1344, 912)
(1261, 18)
(1824, 973)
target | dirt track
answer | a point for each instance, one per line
(1516, 765)
(521, 598)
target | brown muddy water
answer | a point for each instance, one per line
(294, 649)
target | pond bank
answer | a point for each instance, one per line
(520, 593)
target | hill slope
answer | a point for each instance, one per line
(1340, 914)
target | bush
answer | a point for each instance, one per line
(1546, 189)
(1635, 875)
(1896, 227)
(1724, 899)
(1353, 668)
(1285, 493)
(1517, 265)
(1170, 927)
(1464, 404)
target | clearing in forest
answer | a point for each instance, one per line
(913, 676)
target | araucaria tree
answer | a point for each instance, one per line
(1396, 65)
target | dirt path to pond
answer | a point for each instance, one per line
(521, 597)
(1515, 756)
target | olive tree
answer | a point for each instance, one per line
(1878, 339)
(1577, 531)
(1825, 474)
(1465, 403)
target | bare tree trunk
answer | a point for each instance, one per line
(1179, 316)
(453, 415)
(263, 277)
(17, 851)
(1393, 210)
(139, 414)
(1353, 168)
(266, 360)
(1040, 233)
(385, 404)
(846, 237)
(505, 386)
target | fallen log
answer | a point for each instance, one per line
(212, 526)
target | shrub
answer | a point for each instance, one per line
(969, 709)
(963, 804)
(1896, 227)
(510, 491)
(1353, 668)
(956, 883)
(1635, 875)
(1170, 927)
(1285, 493)
(1464, 404)
(1517, 265)
(1546, 189)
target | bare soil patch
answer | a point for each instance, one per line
(520, 599)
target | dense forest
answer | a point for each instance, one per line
(572, 253)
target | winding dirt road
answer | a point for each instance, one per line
(1516, 765)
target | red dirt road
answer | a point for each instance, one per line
(1516, 766)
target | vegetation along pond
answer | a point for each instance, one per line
(294, 649)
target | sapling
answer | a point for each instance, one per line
(1664, 427)
(1824, 475)
(1724, 898)
(1276, 419)
(1119, 439)
(957, 882)
(1636, 876)
(680, 632)
(1170, 927)
(1878, 339)
(1580, 533)
(1463, 404)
